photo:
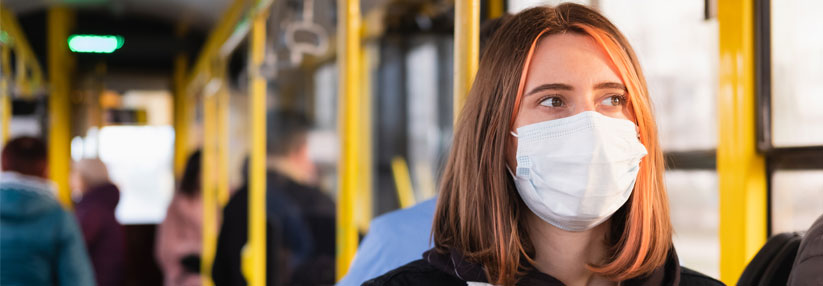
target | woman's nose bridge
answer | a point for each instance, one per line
(583, 101)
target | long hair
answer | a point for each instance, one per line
(480, 213)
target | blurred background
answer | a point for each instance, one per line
(138, 78)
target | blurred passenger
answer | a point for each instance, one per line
(394, 239)
(555, 172)
(40, 243)
(300, 218)
(104, 236)
(179, 238)
(808, 265)
(401, 236)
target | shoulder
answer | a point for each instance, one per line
(417, 272)
(690, 277)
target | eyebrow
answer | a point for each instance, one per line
(550, 86)
(561, 86)
(610, 85)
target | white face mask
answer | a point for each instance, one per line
(575, 172)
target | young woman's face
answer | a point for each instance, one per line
(569, 74)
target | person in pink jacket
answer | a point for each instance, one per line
(179, 237)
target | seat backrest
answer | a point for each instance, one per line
(773, 263)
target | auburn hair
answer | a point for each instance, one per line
(479, 212)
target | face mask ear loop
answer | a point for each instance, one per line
(514, 134)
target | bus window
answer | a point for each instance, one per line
(796, 70)
(797, 199)
(678, 54)
(693, 198)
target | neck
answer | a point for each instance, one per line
(285, 167)
(565, 254)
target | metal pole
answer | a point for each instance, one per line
(350, 102)
(256, 256)
(466, 49)
(495, 8)
(363, 210)
(59, 20)
(5, 96)
(182, 115)
(209, 185)
(223, 104)
(740, 169)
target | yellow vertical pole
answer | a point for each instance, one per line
(495, 8)
(466, 49)
(59, 20)
(182, 115)
(350, 102)
(5, 96)
(364, 192)
(222, 144)
(255, 253)
(209, 186)
(740, 169)
(5, 104)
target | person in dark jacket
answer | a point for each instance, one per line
(808, 265)
(104, 235)
(300, 218)
(40, 243)
(555, 171)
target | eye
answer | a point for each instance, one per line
(552, 101)
(614, 100)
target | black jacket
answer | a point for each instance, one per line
(299, 235)
(447, 269)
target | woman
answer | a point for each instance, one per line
(104, 236)
(179, 237)
(555, 176)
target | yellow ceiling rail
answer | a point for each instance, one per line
(351, 100)
(466, 49)
(59, 23)
(25, 55)
(215, 40)
(740, 169)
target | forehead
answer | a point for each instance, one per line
(570, 58)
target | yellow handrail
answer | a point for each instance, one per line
(495, 8)
(5, 96)
(59, 24)
(182, 115)
(363, 211)
(740, 169)
(402, 181)
(254, 255)
(215, 40)
(209, 185)
(25, 56)
(351, 100)
(466, 49)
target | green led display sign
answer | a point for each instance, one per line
(100, 44)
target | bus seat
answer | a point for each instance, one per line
(773, 263)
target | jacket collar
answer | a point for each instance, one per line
(453, 263)
(14, 180)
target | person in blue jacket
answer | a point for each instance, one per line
(40, 242)
(394, 239)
